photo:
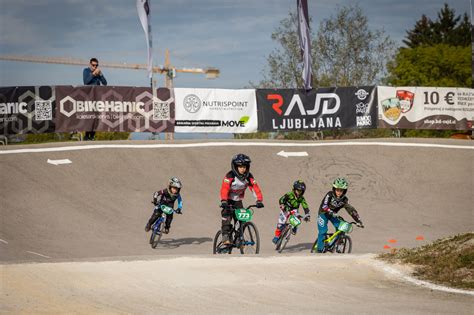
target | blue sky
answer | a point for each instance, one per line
(234, 36)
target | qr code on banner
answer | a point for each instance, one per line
(43, 110)
(161, 111)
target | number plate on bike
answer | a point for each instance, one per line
(345, 227)
(166, 209)
(243, 215)
(294, 221)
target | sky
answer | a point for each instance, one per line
(231, 35)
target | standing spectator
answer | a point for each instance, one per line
(93, 76)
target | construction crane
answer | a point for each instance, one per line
(168, 70)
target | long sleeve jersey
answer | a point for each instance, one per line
(163, 197)
(234, 189)
(290, 201)
(331, 203)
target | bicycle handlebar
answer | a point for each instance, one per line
(249, 207)
(352, 222)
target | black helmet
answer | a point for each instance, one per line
(176, 183)
(299, 185)
(239, 160)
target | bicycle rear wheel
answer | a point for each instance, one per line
(155, 236)
(344, 244)
(250, 239)
(314, 247)
(285, 237)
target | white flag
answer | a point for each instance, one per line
(143, 7)
(305, 42)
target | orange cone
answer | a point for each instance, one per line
(420, 238)
(386, 247)
(392, 241)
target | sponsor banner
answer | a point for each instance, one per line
(109, 108)
(215, 110)
(318, 109)
(425, 108)
(27, 109)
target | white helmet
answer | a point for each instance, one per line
(176, 183)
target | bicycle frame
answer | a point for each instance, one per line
(331, 240)
(237, 236)
(158, 223)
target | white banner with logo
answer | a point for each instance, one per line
(425, 108)
(215, 110)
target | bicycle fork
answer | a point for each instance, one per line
(157, 225)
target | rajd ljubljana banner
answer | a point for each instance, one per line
(318, 109)
(215, 110)
(108, 108)
(426, 108)
(27, 109)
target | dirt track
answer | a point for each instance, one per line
(96, 208)
(305, 285)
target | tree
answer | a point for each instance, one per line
(437, 65)
(447, 29)
(437, 54)
(345, 52)
(422, 33)
(348, 52)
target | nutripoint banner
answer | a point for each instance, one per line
(27, 109)
(109, 108)
(318, 109)
(425, 108)
(215, 110)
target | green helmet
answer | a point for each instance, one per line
(340, 183)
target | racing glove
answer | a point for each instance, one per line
(259, 204)
(224, 204)
(178, 211)
(360, 224)
(307, 217)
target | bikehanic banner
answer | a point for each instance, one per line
(27, 109)
(109, 108)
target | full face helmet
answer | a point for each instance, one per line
(176, 183)
(340, 183)
(240, 160)
(299, 185)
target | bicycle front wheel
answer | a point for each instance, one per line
(285, 237)
(250, 239)
(344, 244)
(218, 247)
(155, 237)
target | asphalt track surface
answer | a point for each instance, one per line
(92, 213)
